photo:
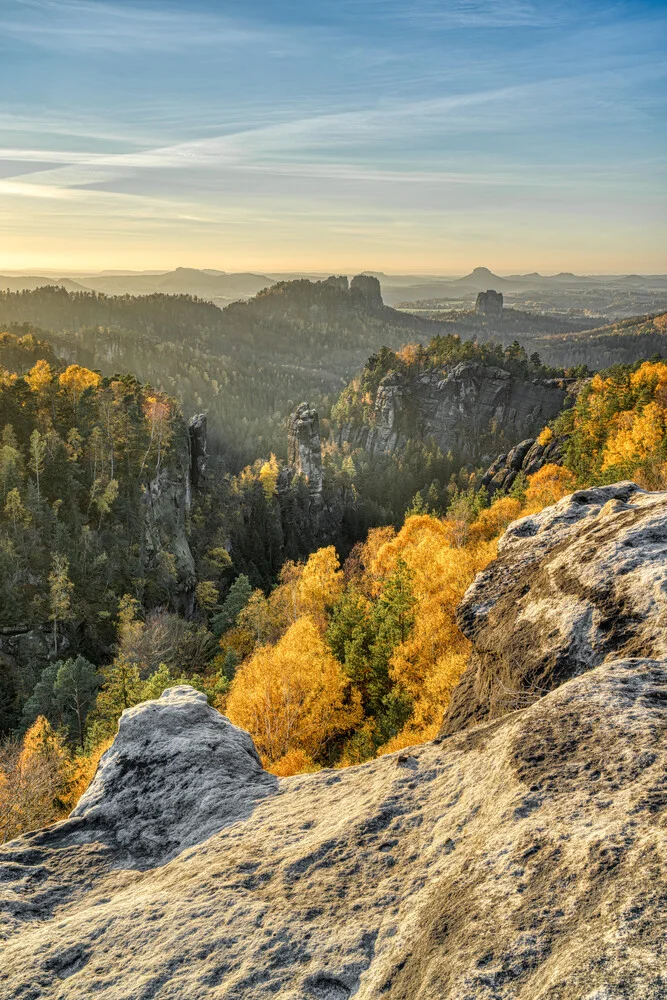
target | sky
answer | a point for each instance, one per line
(398, 135)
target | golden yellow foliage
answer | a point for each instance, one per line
(545, 436)
(547, 486)
(35, 778)
(75, 380)
(40, 376)
(294, 762)
(83, 772)
(293, 696)
(429, 663)
(409, 353)
(635, 435)
(268, 476)
(494, 519)
(320, 584)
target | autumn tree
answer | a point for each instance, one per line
(75, 380)
(294, 696)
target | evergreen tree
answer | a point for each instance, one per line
(236, 600)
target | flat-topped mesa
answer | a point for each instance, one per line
(304, 446)
(367, 288)
(489, 304)
(578, 584)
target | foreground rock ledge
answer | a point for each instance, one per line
(522, 859)
(581, 582)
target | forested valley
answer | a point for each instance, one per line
(323, 623)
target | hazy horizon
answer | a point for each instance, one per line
(406, 137)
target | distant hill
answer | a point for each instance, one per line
(248, 365)
(215, 286)
(28, 282)
(624, 342)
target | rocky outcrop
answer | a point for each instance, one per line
(527, 457)
(523, 860)
(304, 447)
(466, 411)
(165, 507)
(578, 584)
(367, 288)
(178, 771)
(489, 304)
(198, 438)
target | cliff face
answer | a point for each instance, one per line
(523, 859)
(167, 498)
(463, 411)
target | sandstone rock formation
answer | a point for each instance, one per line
(177, 772)
(575, 585)
(368, 289)
(465, 411)
(304, 447)
(198, 437)
(523, 860)
(489, 304)
(527, 457)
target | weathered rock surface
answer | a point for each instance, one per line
(304, 447)
(527, 457)
(521, 860)
(367, 288)
(176, 773)
(489, 304)
(466, 411)
(581, 582)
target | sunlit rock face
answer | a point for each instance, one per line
(466, 411)
(521, 858)
(527, 457)
(177, 772)
(581, 582)
(304, 447)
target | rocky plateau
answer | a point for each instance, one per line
(519, 856)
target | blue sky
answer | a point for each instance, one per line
(422, 135)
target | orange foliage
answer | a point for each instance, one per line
(492, 521)
(429, 663)
(547, 486)
(293, 696)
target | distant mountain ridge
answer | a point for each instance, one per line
(223, 287)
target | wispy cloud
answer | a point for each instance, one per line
(468, 13)
(89, 25)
